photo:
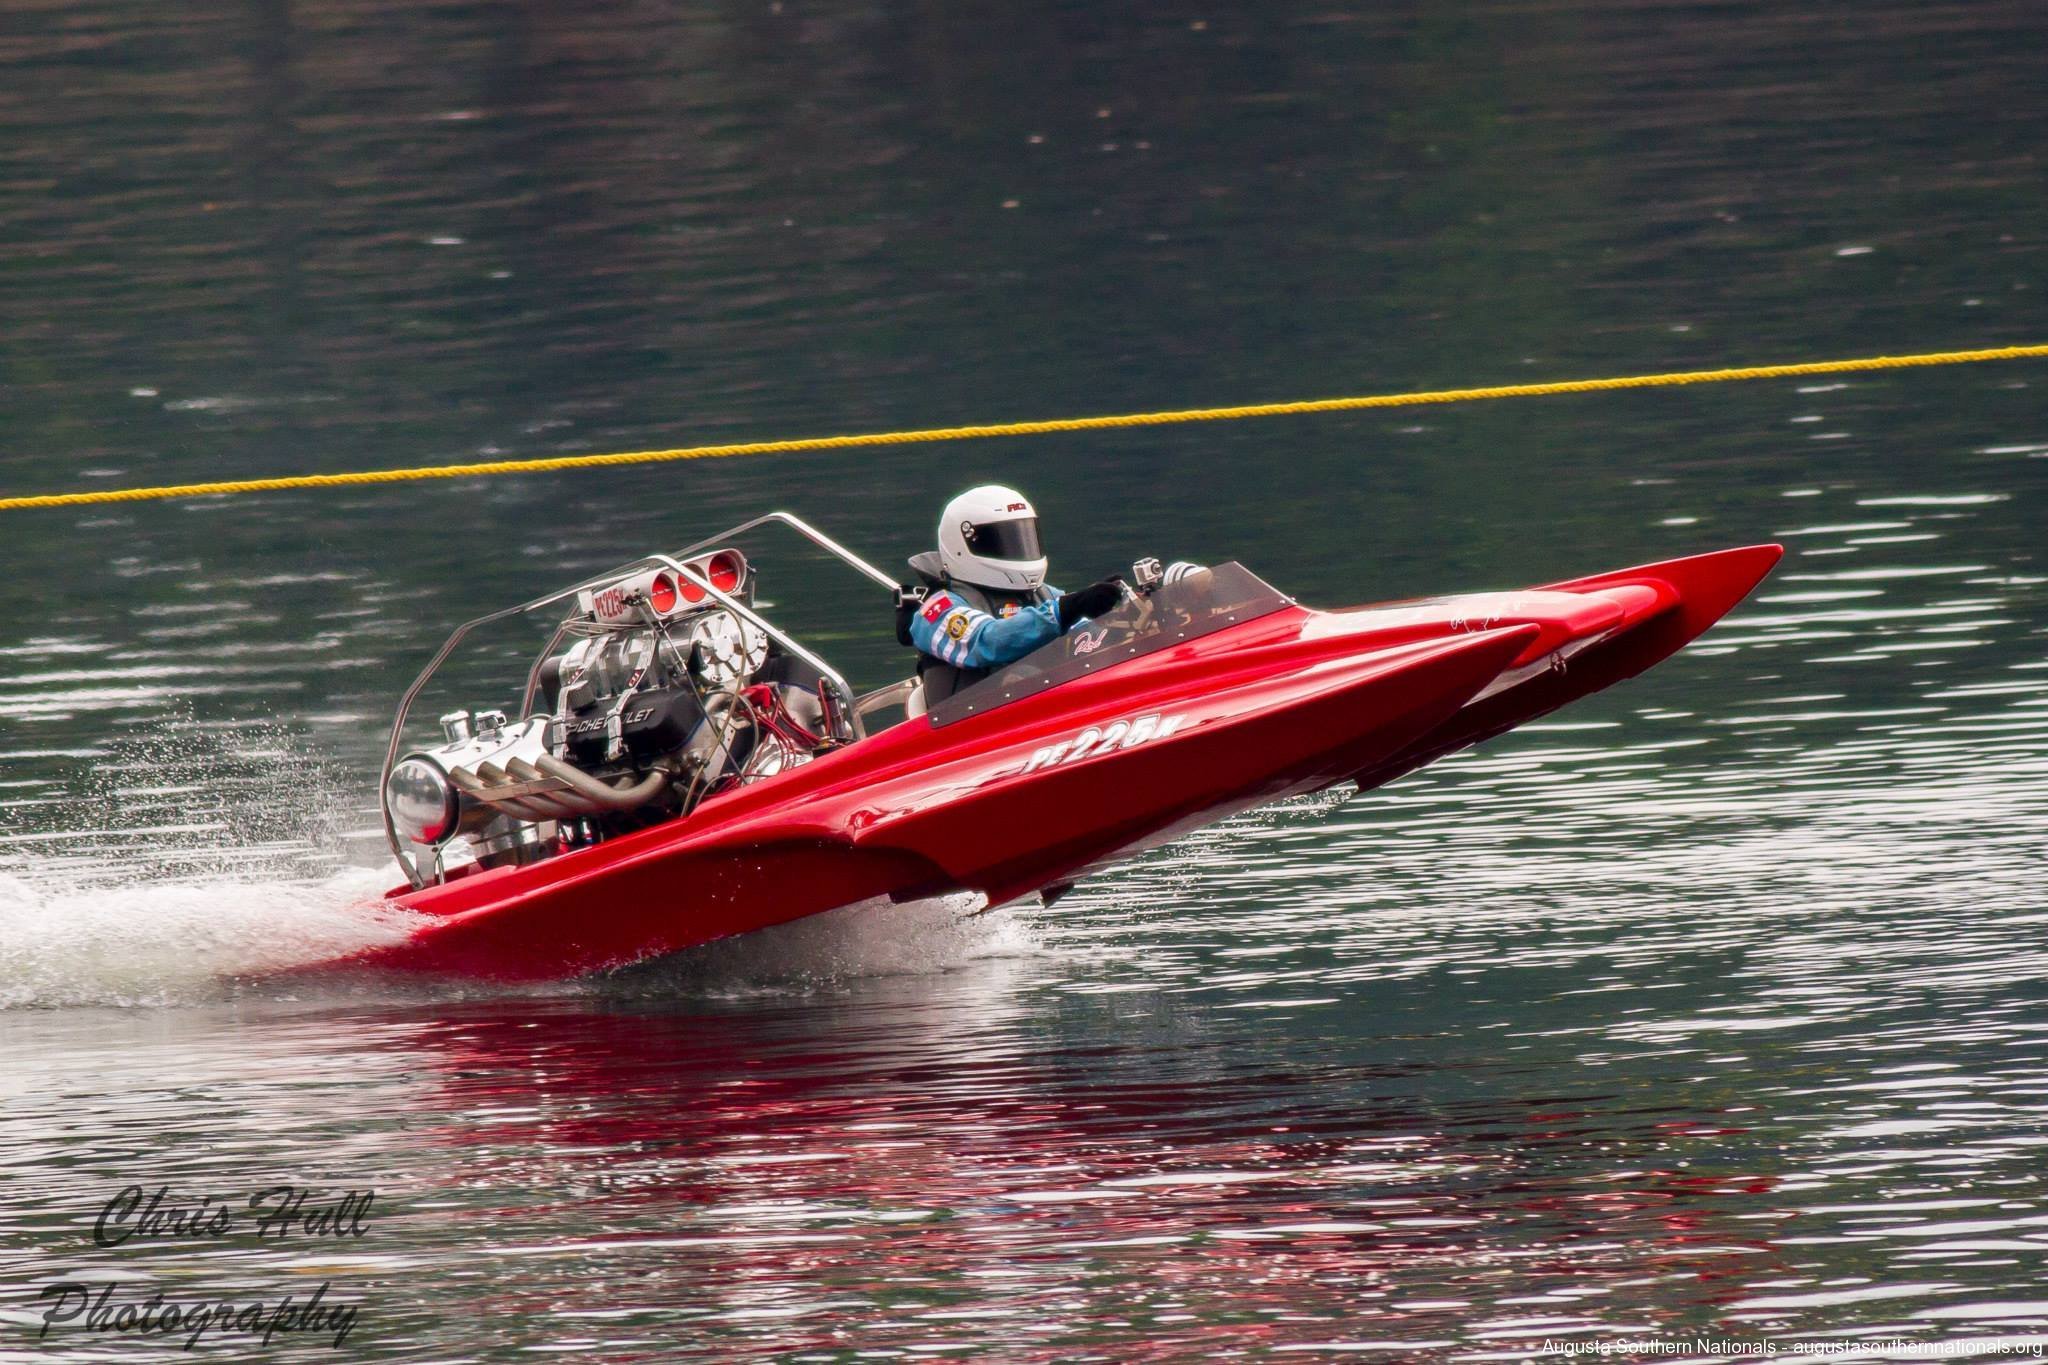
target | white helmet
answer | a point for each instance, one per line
(988, 536)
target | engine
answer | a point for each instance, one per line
(663, 696)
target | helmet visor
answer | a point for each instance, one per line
(1007, 540)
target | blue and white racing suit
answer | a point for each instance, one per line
(956, 632)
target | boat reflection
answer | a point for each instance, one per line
(920, 1159)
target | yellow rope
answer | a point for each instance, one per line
(1063, 424)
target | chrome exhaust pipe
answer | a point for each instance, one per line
(487, 784)
(588, 787)
(567, 805)
(571, 793)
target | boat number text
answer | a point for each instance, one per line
(1097, 740)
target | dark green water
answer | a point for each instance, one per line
(1710, 1012)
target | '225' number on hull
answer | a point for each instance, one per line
(1095, 741)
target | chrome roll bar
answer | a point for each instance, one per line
(802, 528)
(671, 562)
(411, 868)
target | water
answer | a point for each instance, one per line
(1709, 1011)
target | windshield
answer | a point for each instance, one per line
(1202, 603)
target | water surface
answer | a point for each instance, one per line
(1710, 1010)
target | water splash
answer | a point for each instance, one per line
(181, 856)
(159, 942)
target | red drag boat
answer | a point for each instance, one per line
(685, 771)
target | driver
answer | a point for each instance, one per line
(983, 601)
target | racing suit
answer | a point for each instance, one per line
(955, 630)
(963, 633)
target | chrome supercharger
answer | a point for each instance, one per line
(660, 687)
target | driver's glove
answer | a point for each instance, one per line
(1089, 602)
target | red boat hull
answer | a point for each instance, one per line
(1033, 794)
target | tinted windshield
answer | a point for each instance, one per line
(1203, 603)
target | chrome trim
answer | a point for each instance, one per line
(802, 528)
(881, 699)
(411, 868)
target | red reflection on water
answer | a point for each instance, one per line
(797, 1154)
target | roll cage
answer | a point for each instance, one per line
(851, 707)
